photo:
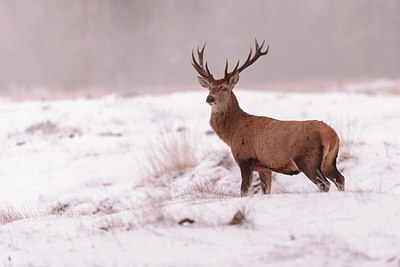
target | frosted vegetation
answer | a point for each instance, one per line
(125, 180)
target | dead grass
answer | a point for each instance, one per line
(238, 219)
(60, 209)
(10, 213)
(112, 223)
(349, 132)
(243, 217)
(205, 190)
(174, 153)
(49, 128)
(46, 127)
(359, 189)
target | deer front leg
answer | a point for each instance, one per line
(246, 169)
(265, 178)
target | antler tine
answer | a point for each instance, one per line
(208, 71)
(205, 72)
(249, 56)
(250, 60)
(261, 47)
(226, 68)
(199, 67)
(236, 67)
(229, 74)
(266, 51)
(257, 47)
(201, 53)
(196, 65)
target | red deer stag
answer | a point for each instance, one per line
(265, 144)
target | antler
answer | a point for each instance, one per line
(204, 72)
(250, 60)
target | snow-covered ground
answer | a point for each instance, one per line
(105, 182)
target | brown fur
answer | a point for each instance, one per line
(264, 144)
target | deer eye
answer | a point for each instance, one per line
(224, 89)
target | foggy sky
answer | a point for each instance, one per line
(148, 43)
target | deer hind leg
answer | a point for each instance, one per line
(312, 169)
(246, 169)
(332, 173)
(265, 178)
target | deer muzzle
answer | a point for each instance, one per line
(210, 99)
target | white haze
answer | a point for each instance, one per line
(145, 44)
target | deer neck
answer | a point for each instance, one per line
(225, 120)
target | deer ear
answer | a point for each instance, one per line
(234, 79)
(203, 82)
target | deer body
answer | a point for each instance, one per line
(265, 144)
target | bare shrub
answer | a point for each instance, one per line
(174, 153)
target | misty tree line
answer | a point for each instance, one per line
(116, 43)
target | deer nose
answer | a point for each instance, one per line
(210, 99)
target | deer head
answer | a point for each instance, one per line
(221, 89)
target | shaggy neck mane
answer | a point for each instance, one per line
(225, 121)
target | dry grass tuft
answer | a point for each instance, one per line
(9, 213)
(360, 189)
(349, 132)
(205, 190)
(46, 127)
(112, 223)
(174, 153)
(242, 217)
(152, 209)
(60, 209)
(238, 218)
(50, 128)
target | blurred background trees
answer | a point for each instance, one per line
(73, 44)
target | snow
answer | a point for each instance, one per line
(79, 185)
